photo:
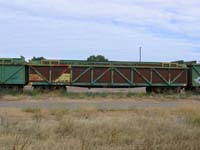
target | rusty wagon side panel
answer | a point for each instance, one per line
(49, 73)
(128, 76)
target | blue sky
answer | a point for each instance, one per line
(74, 29)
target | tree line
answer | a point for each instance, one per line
(92, 58)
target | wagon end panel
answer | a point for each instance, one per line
(13, 74)
(179, 77)
(194, 76)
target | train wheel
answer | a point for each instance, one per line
(173, 90)
(195, 90)
(163, 89)
(39, 88)
(157, 90)
(178, 90)
(148, 89)
(62, 88)
(49, 88)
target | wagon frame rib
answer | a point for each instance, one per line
(161, 77)
(82, 74)
(143, 77)
(178, 76)
(101, 76)
(124, 77)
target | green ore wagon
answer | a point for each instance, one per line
(13, 73)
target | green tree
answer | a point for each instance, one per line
(98, 58)
(38, 58)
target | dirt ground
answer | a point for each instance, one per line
(107, 104)
(51, 102)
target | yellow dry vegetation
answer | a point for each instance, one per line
(89, 129)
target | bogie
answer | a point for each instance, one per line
(163, 90)
(49, 88)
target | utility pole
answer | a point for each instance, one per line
(140, 53)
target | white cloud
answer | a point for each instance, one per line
(174, 15)
(115, 28)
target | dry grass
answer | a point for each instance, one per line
(34, 95)
(89, 129)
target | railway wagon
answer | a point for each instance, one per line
(57, 74)
(156, 77)
(13, 73)
(48, 74)
(194, 77)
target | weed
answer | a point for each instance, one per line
(58, 113)
(193, 119)
(37, 116)
(64, 128)
(32, 110)
(20, 143)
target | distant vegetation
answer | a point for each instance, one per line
(37, 58)
(92, 58)
(98, 58)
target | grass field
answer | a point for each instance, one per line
(92, 129)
